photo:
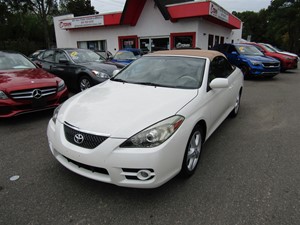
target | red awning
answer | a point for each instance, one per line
(207, 10)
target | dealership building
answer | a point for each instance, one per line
(150, 25)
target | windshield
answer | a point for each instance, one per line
(10, 61)
(272, 47)
(124, 55)
(84, 56)
(165, 71)
(269, 48)
(248, 50)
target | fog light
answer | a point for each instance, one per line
(143, 174)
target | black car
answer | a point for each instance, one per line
(79, 68)
(34, 55)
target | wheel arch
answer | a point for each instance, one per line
(79, 76)
(202, 125)
(82, 74)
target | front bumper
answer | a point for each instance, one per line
(128, 167)
(290, 64)
(10, 107)
(262, 71)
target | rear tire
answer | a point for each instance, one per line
(192, 152)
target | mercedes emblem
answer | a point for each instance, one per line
(37, 93)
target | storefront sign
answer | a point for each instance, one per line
(81, 22)
(218, 12)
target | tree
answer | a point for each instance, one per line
(43, 9)
(77, 7)
(284, 23)
(277, 25)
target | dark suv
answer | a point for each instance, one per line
(250, 60)
(79, 68)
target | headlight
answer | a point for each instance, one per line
(154, 135)
(55, 113)
(288, 58)
(100, 74)
(3, 95)
(255, 63)
(61, 85)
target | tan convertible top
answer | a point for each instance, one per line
(190, 52)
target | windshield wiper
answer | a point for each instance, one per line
(119, 80)
(152, 84)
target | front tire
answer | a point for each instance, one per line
(246, 71)
(84, 83)
(192, 152)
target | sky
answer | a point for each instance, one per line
(103, 6)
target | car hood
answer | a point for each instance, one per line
(289, 54)
(101, 67)
(261, 58)
(121, 109)
(123, 62)
(11, 80)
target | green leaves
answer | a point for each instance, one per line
(278, 24)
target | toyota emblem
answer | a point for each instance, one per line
(37, 93)
(78, 138)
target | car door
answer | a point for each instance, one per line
(219, 100)
(234, 76)
(64, 68)
(46, 60)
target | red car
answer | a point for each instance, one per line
(287, 62)
(26, 88)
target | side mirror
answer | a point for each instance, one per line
(219, 83)
(38, 65)
(234, 53)
(115, 72)
(63, 61)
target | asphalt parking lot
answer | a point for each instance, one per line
(249, 172)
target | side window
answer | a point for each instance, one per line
(60, 55)
(48, 56)
(219, 68)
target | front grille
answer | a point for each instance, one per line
(271, 65)
(29, 93)
(82, 139)
(87, 167)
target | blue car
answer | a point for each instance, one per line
(250, 60)
(127, 56)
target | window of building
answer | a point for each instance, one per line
(222, 40)
(183, 40)
(152, 44)
(93, 45)
(145, 45)
(128, 42)
(210, 41)
(217, 39)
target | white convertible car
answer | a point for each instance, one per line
(148, 123)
